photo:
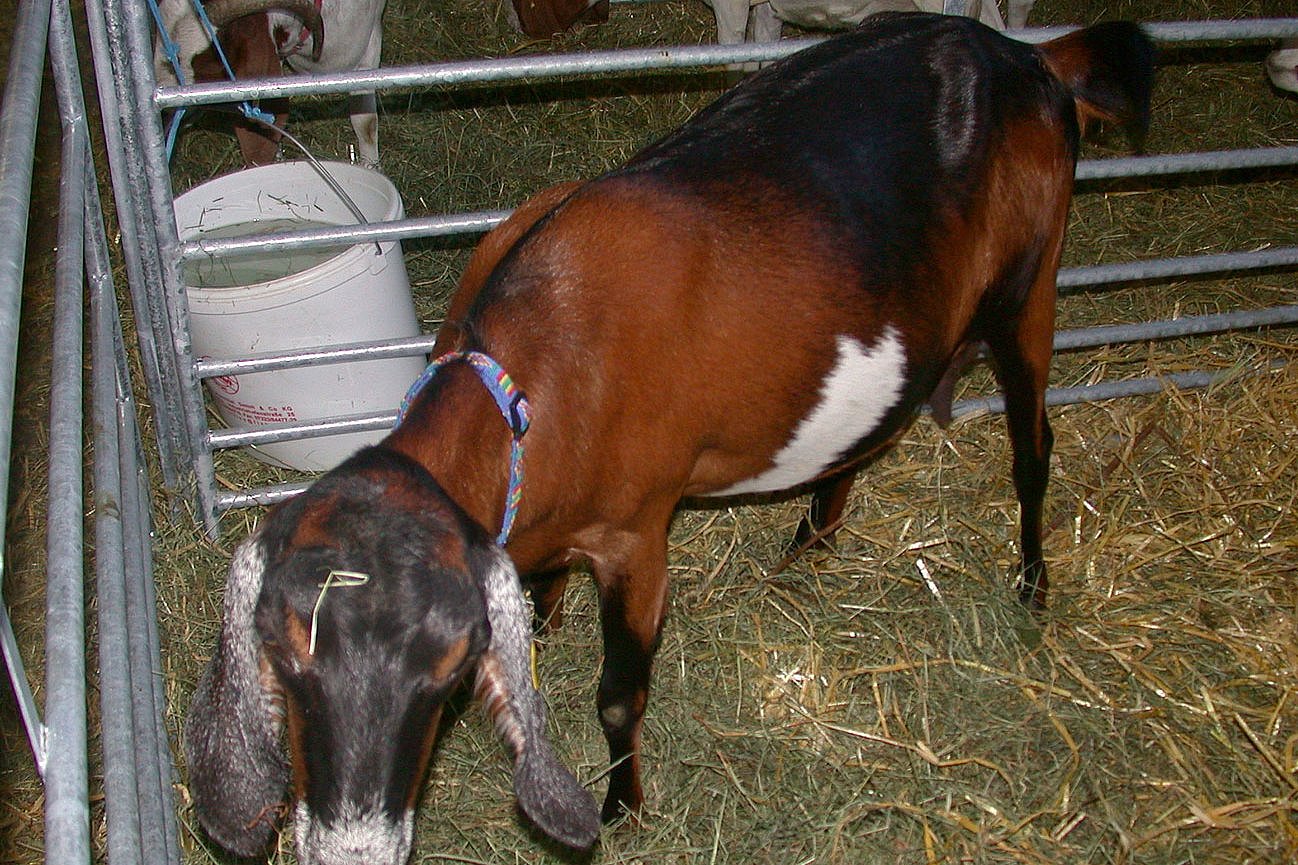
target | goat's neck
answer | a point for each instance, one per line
(456, 432)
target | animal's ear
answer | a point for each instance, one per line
(547, 792)
(223, 12)
(238, 774)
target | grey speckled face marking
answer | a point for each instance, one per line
(368, 837)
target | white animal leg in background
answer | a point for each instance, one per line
(985, 11)
(354, 39)
(1017, 12)
(364, 107)
(1282, 66)
(732, 20)
(763, 24)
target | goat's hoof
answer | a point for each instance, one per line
(616, 809)
(808, 538)
(1032, 587)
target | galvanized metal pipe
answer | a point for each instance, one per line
(1074, 278)
(143, 815)
(123, 123)
(378, 350)
(156, 200)
(336, 425)
(67, 794)
(638, 60)
(480, 222)
(118, 740)
(445, 225)
(270, 495)
(18, 113)
(1190, 325)
(259, 496)
(1107, 390)
(1067, 340)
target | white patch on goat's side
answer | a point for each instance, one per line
(367, 837)
(854, 397)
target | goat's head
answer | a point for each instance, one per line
(194, 52)
(361, 672)
(541, 19)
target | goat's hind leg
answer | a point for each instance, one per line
(825, 514)
(1021, 349)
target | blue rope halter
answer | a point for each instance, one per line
(513, 406)
(172, 51)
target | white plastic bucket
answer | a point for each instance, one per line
(305, 299)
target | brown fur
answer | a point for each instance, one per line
(251, 54)
(541, 19)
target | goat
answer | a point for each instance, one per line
(260, 36)
(900, 193)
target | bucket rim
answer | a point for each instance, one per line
(247, 180)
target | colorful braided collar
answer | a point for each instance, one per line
(513, 406)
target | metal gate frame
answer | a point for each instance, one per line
(136, 757)
(137, 766)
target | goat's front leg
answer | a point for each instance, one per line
(547, 590)
(633, 596)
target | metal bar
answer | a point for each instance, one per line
(121, 791)
(151, 813)
(1064, 341)
(67, 794)
(270, 495)
(1089, 170)
(137, 544)
(283, 432)
(377, 350)
(445, 225)
(480, 222)
(137, 28)
(1073, 278)
(638, 60)
(17, 144)
(139, 247)
(259, 496)
(1106, 390)
(1191, 325)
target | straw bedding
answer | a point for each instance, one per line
(888, 701)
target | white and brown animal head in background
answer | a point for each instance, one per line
(260, 37)
(541, 19)
(357, 674)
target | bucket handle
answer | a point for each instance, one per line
(326, 176)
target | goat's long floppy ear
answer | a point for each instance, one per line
(238, 774)
(547, 792)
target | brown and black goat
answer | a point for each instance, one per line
(755, 304)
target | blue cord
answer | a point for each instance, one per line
(172, 50)
(513, 406)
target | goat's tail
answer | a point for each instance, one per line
(1109, 68)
